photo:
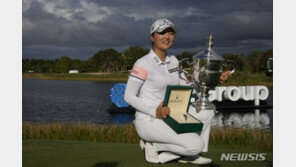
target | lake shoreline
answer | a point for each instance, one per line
(238, 79)
(101, 77)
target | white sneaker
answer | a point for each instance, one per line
(199, 161)
(142, 144)
(151, 154)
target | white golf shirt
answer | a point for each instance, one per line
(153, 75)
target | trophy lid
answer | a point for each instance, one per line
(209, 53)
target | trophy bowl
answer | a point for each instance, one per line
(205, 70)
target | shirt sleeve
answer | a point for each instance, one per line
(134, 84)
(139, 72)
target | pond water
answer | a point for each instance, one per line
(87, 101)
(65, 101)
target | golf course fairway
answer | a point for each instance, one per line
(61, 153)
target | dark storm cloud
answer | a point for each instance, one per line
(80, 28)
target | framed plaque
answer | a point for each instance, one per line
(177, 98)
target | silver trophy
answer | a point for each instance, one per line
(204, 70)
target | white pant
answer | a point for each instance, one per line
(175, 145)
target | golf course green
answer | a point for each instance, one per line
(66, 153)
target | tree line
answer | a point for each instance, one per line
(110, 61)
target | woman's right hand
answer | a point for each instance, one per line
(162, 112)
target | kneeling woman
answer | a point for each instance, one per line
(145, 91)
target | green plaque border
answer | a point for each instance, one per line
(176, 126)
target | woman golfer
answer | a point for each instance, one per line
(145, 91)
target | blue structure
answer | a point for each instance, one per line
(122, 111)
(117, 95)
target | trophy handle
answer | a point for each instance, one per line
(185, 62)
(196, 87)
(181, 64)
(188, 63)
(228, 65)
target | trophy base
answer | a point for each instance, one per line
(203, 105)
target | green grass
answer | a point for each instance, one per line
(114, 77)
(246, 79)
(81, 132)
(237, 79)
(222, 137)
(242, 138)
(54, 153)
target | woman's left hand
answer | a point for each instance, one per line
(225, 75)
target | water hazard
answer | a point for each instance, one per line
(87, 101)
(66, 101)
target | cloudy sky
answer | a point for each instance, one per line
(80, 28)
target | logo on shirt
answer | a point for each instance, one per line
(156, 59)
(135, 72)
(139, 72)
(174, 70)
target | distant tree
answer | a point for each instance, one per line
(110, 60)
(88, 66)
(185, 55)
(106, 60)
(124, 62)
(63, 64)
(132, 54)
(47, 66)
(236, 59)
(254, 60)
(36, 65)
(263, 60)
(96, 61)
(77, 65)
(25, 65)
